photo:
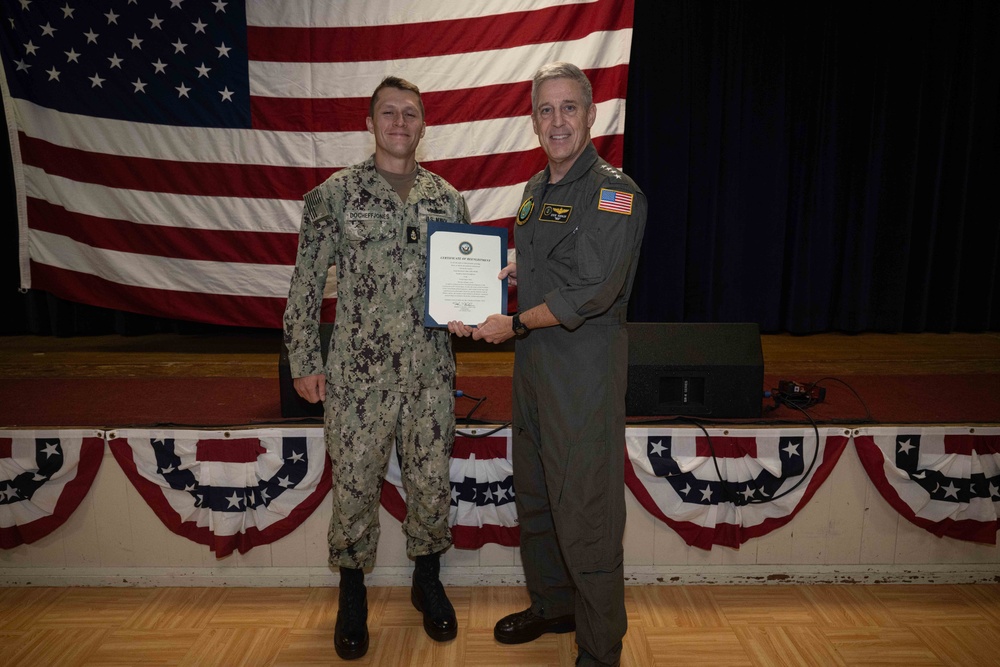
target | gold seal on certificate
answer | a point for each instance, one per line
(463, 262)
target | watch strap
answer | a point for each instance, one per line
(518, 326)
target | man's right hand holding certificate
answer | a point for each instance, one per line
(498, 328)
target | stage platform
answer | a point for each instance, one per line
(226, 387)
(109, 381)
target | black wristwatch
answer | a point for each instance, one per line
(517, 326)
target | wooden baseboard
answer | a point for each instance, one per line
(322, 577)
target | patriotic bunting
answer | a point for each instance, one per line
(161, 149)
(725, 487)
(482, 492)
(944, 479)
(44, 476)
(238, 489)
(230, 490)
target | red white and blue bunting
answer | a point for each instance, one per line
(44, 476)
(233, 490)
(726, 486)
(229, 490)
(945, 479)
(482, 492)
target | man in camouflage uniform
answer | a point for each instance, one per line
(387, 379)
(578, 235)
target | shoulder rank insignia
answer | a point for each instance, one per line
(525, 210)
(611, 171)
(555, 213)
(615, 201)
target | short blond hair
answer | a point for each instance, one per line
(398, 83)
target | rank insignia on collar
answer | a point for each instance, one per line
(525, 210)
(555, 213)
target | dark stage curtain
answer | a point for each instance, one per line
(818, 166)
(810, 167)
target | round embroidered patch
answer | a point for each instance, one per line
(525, 210)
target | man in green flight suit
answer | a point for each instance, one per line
(387, 379)
(577, 238)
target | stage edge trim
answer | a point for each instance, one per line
(319, 577)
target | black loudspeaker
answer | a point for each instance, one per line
(695, 370)
(293, 405)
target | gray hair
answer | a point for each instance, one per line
(561, 70)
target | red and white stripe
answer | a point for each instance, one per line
(740, 458)
(27, 520)
(473, 524)
(956, 452)
(255, 456)
(202, 223)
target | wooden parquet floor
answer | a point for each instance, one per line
(668, 625)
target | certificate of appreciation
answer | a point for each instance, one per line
(462, 266)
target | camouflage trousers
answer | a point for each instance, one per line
(362, 425)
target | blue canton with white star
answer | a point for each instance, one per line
(174, 62)
(49, 459)
(228, 498)
(937, 483)
(711, 492)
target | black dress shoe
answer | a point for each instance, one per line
(525, 626)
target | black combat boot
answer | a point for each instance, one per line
(350, 635)
(429, 597)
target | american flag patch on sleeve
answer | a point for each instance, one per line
(615, 201)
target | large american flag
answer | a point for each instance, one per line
(161, 147)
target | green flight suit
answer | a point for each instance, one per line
(579, 256)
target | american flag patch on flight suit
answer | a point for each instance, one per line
(615, 201)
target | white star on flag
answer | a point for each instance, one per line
(186, 187)
(482, 508)
(227, 491)
(40, 491)
(941, 479)
(716, 487)
(792, 449)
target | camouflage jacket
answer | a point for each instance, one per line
(356, 222)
